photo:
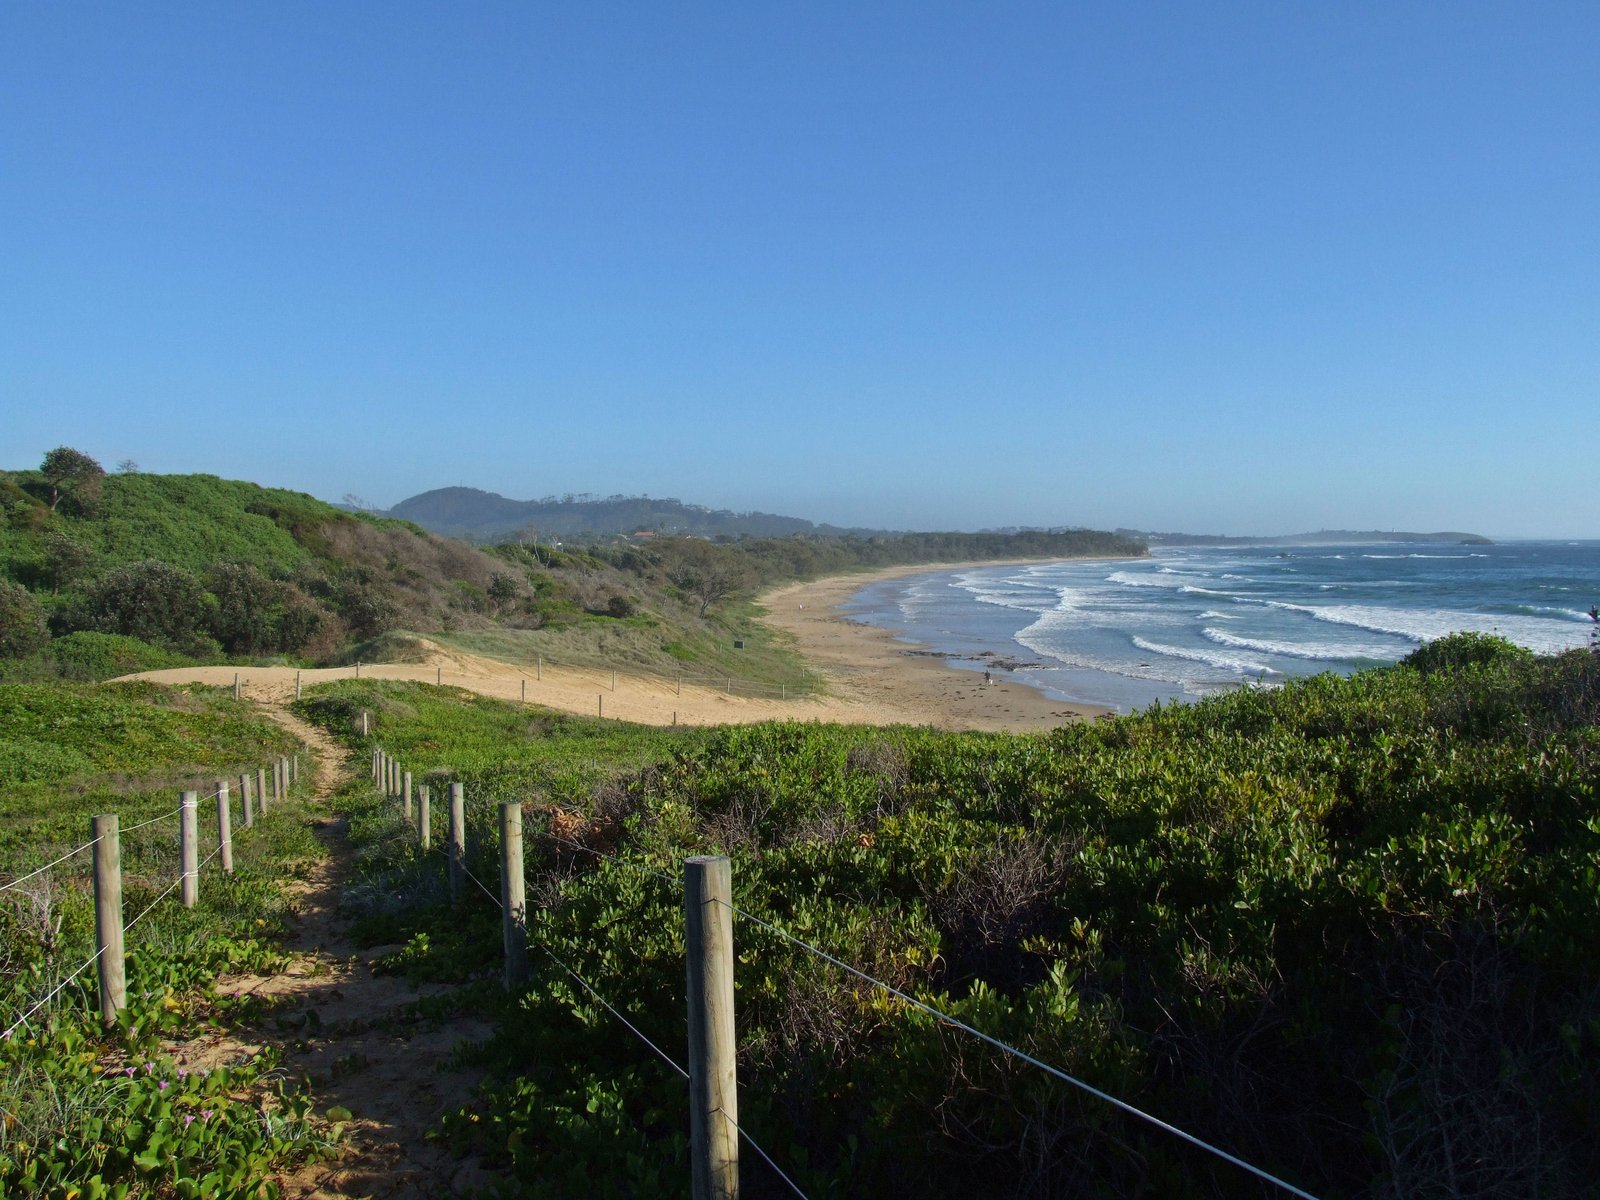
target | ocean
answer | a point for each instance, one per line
(1189, 622)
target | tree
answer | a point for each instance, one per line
(150, 600)
(72, 473)
(66, 559)
(22, 628)
(708, 573)
(503, 589)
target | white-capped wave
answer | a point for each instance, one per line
(1227, 662)
(1315, 651)
(1540, 634)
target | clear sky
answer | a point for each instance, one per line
(1244, 268)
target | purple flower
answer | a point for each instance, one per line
(183, 1072)
(129, 1072)
(206, 1113)
(162, 1086)
(188, 1120)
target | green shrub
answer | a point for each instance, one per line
(1457, 650)
(22, 628)
(91, 655)
(150, 600)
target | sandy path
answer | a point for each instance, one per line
(354, 1036)
(871, 679)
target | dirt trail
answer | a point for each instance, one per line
(354, 1035)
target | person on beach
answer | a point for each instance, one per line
(986, 679)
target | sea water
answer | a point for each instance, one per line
(1189, 622)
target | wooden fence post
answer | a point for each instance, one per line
(224, 826)
(297, 685)
(277, 784)
(512, 895)
(405, 792)
(108, 915)
(458, 839)
(294, 769)
(363, 722)
(438, 675)
(524, 691)
(541, 669)
(358, 668)
(236, 685)
(713, 1085)
(189, 848)
(424, 817)
(261, 789)
(613, 679)
(680, 685)
(600, 697)
(245, 804)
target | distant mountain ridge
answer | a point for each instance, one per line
(478, 515)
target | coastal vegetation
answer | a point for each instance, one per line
(198, 569)
(1345, 929)
(87, 1111)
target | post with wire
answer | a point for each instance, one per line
(189, 848)
(458, 839)
(224, 827)
(513, 895)
(108, 915)
(713, 1082)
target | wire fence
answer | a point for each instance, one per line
(906, 998)
(283, 776)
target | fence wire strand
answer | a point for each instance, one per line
(1024, 1056)
(612, 1009)
(51, 995)
(69, 854)
(1004, 1047)
(767, 1158)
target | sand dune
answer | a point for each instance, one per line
(871, 679)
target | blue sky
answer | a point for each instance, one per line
(1220, 267)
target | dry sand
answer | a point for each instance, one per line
(871, 678)
(868, 670)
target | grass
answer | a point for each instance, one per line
(700, 653)
(70, 751)
(503, 751)
(91, 1111)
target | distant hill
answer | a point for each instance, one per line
(1323, 537)
(487, 517)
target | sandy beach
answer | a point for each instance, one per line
(871, 679)
(866, 668)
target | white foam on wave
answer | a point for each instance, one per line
(1540, 634)
(1212, 614)
(1140, 579)
(1226, 662)
(1314, 651)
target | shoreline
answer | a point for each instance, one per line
(866, 666)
